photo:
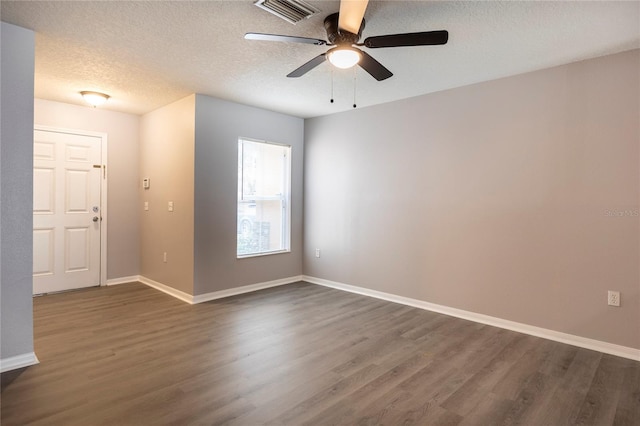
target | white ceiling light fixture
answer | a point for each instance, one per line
(94, 98)
(344, 57)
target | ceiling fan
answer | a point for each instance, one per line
(344, 30)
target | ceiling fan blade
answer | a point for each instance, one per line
(409, 39)
(373, 67)
(351, 14)
(298, 72)
(290, 39)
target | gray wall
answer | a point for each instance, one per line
(16, 191)
(516, 198)
(219, 124)
(123, 233)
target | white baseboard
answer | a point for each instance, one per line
(18, 361)
(244, 289)
(123, 280)
(185, 297)
(200, 298)
(582, 342)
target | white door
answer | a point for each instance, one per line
(67, 173)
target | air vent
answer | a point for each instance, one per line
(290, 10)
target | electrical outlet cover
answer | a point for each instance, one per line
(613, 298)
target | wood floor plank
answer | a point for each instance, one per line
(628, 409)
(345, 410)
(300, 413)
(561, 407)
(524, 370)
(490, 409)
(531, 400)
(601, 402)
(299, 354)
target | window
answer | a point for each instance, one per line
(264, 188)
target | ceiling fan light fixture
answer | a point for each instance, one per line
(344, 57)
(94, 98)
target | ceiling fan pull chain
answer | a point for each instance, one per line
(331, 85)
(355, 80)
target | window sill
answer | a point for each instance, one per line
(268, 253)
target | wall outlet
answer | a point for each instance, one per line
(613, 298)
(317, 252)
(170, 206)
(164, 257)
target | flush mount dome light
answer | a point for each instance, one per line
(94, 98)
(344, 56)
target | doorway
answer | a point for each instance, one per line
(69, 209)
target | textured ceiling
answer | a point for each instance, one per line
(146, 54)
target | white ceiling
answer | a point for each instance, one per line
(149, 54)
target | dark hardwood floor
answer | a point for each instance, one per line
(300, 354)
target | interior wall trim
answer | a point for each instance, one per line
(185, 297)
(244, 289)
(123, 280)
(570, 339)
(18, 361)
(200, 298)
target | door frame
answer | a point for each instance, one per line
(103, 188)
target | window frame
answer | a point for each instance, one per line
(285, 198)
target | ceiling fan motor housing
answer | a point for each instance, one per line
(337, 36)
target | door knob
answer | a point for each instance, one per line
(95, 218)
